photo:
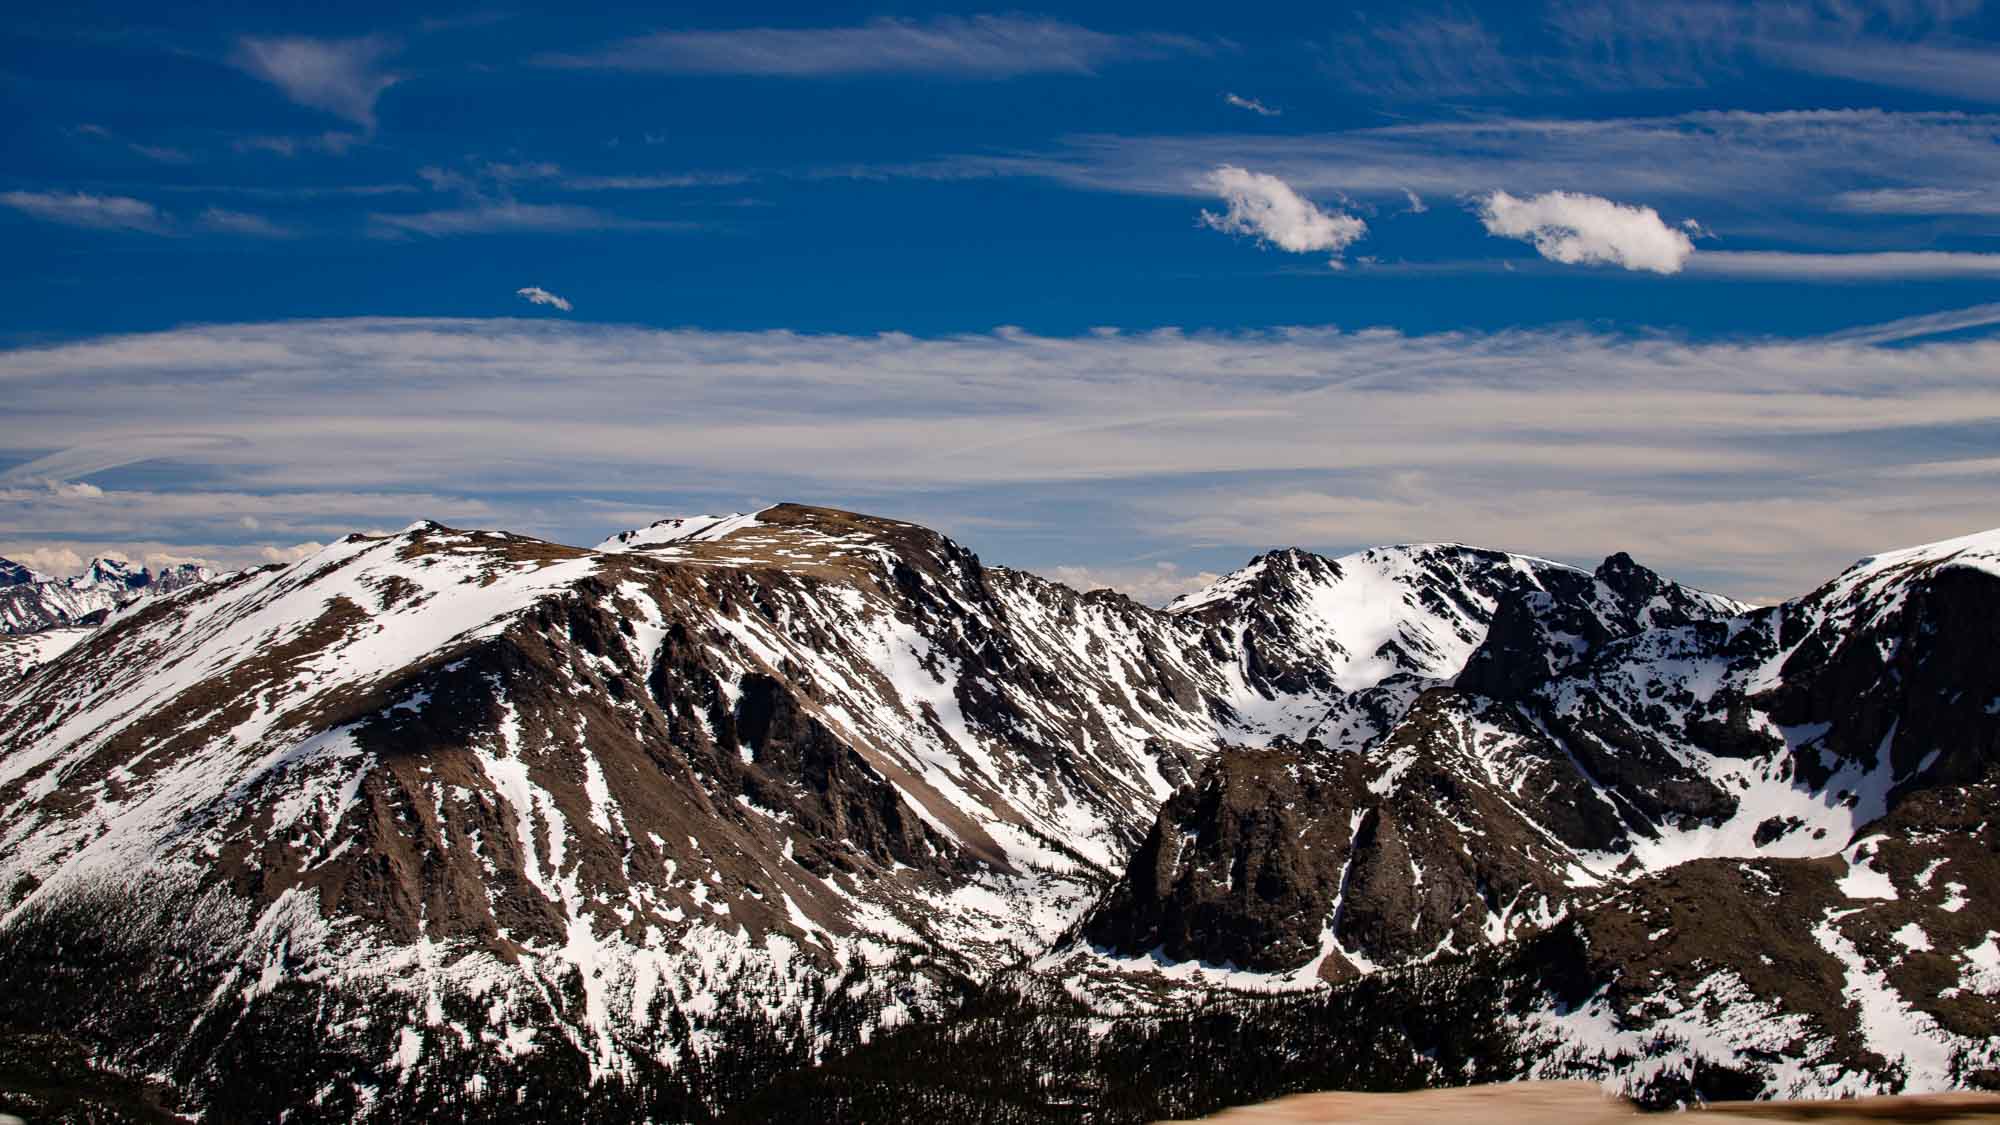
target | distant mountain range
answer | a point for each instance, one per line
(806, 811)
(31, 602)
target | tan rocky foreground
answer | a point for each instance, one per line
(1584, 1103)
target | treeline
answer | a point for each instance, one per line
(107, 980)
(1014, 1057)
(108, 983)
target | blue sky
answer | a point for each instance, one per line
(1127, 292)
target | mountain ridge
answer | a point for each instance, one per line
(32, 602)
(784, 747)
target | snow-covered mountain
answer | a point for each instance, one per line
(15, 574)
(1610, 749)
(777, 780)
(31, 602)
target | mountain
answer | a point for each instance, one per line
(1647, 767)
(14, 574)
(442, 817)
(32, 603)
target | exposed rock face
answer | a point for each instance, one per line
(1867, 971)
(737, 756)
(499, 739)
(1234, 870)
(1730, 760)
(1460, 813)
(14, 574)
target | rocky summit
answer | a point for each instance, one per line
(812, 811)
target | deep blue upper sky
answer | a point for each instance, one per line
(859, 190)
(1729, 174)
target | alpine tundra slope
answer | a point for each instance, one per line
(482, 820)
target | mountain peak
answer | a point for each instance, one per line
(678, 529)
(801, 538)
(15, 574)
(114, 573)
(1292, 566)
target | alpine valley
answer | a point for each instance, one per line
(809, 814)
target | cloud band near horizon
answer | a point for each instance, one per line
(1757, 466)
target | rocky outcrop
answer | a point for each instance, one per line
(1242, 867)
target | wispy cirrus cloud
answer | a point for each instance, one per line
(1754, 465)
(655, 181)
(1917, 327)
(1802, 159)
(158, 153)
(982, 46)
(1583, 46)
(224, 221)
(507, 216)
(1445, 53)
(85, 209)
(124, 213)
(1862, 266)
(482, 176)
(1793, 179)
(333, 142)
(487, 203)
(1921, 201)
(343, 77)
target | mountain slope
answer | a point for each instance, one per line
(726, 794)
(1599, 735)
(812, 737)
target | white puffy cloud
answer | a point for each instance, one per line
(67, 557)
(536, 295)
(1717, 165)
(59, 561)
(290, 554)
(1267, 208)
(1578, 229)
(1157, 584)
(343, 77)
